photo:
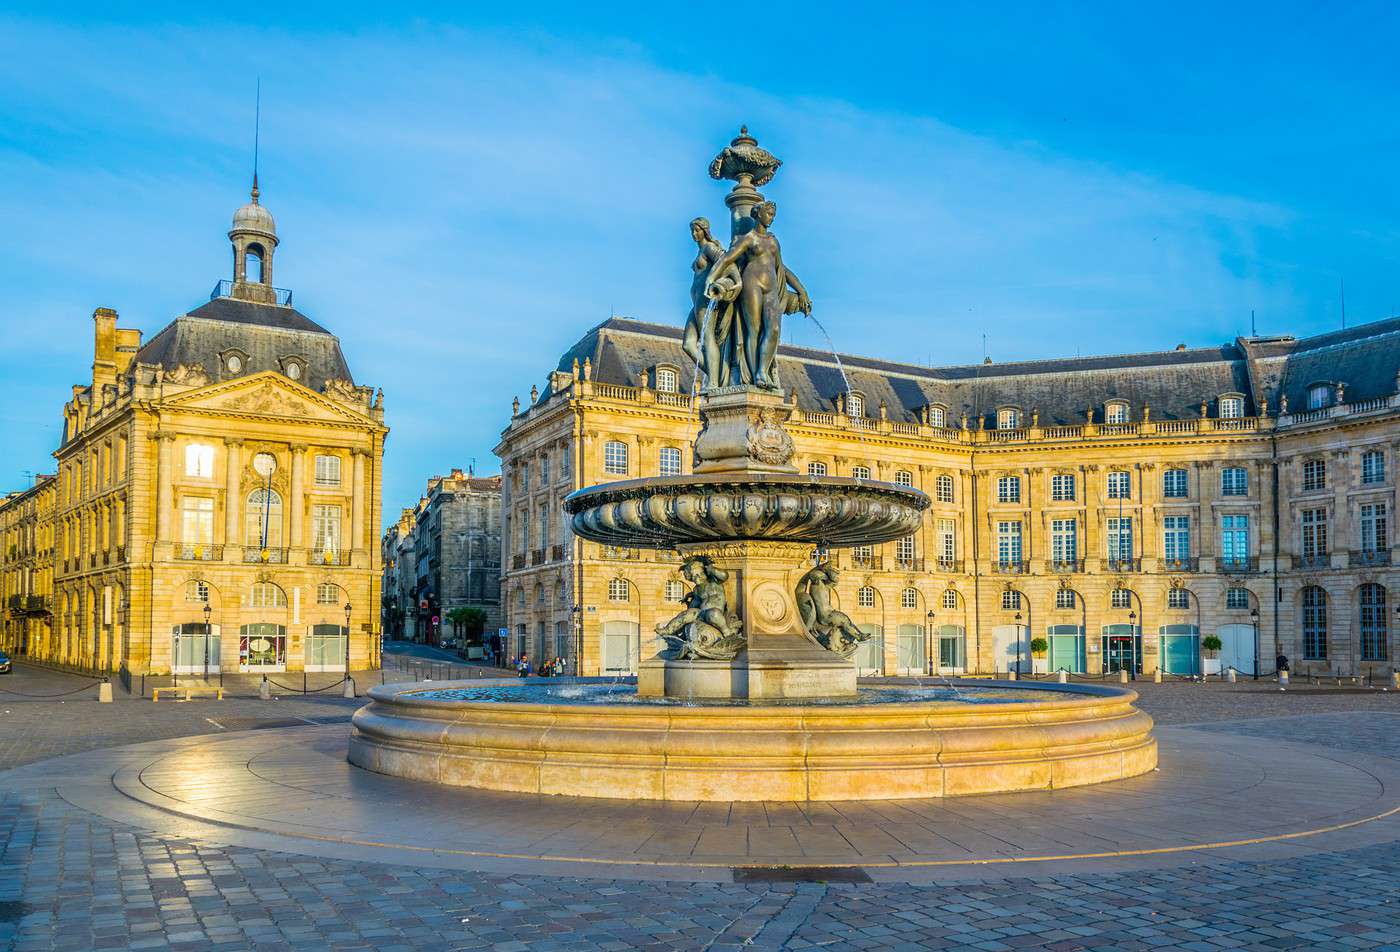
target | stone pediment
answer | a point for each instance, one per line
(266, 394)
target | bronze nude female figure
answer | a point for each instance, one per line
(710, 344)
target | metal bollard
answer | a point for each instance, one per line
(1063, 676)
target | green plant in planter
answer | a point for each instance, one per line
(1212, 644)
(1039, 646)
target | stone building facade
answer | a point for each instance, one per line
(218, 490)
(1120, 507)
(451, 556)
(26, 570)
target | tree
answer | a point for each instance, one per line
(471, 619)
(1212, 644)
(1039, 646)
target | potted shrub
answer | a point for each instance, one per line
(1038, 648)
(1211, 644)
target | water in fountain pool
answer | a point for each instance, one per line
(586, 693)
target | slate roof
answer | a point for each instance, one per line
(266, 333)
(1174, 383)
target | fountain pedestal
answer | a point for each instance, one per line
(780, 659)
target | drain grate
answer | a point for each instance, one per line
(800, 874)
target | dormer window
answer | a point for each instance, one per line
(1008, 418)
(1319, 396)
(1231, 407)
(293, 367)
(937, 415)
(855, 404)
(1115, 411)
(235, 361)
(667, 380)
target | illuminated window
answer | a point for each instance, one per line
(199, 460)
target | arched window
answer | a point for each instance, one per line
(1115, 411)
(675, 590)
(865, 598)
(1314, 623)
(199, 460)
(615, 458)
(937, 416)
(196, 590)
(263, 523)
(1231, 407)
(904, 478)
(909, 598)
(943, 487)
(1008, 418)
(618, 590)
(670, 461)
(855, 404)
(253, 264)
(1178, 599)
(950, 599)
(1373, 623)
(1064, 598)
(266, 595)
(816, 469)
(327, 593)
(666, 380)
(860, 472)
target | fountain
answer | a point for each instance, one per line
(754, 695)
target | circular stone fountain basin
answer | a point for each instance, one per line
(603, 741)
(666, 511)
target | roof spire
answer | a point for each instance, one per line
(257, 128)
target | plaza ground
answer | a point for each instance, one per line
(84, 865)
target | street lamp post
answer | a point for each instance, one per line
(577, 612)
(1254, 620)
(208, 633)
(349, 685)
(1132, 645)
(1018, 644)
(928, 638)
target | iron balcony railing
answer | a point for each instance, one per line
(253, 554)
(861, 561)
(1011, 567)
(1315, 560)
(1187, 564)
(1366, 557)
(948, 565)
(225, 289)
(911, 564)
(1124, 565)
(1237, 566)
(200, 552)
(1066, 566)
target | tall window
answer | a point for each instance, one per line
(1319, 396)
(1174, 484)
(1234, 540)
(1237, 599)
(947, 541)
(1008, 418)
(618, 590)
(1009, 489)
(1178, 599)
(665, 380)
(1062, 487)
(950, 599)
(1176, 538)
(327, 470)
(262, 524)
(564, 461)
(860, 472)
(1119, 485)
(675, 591)
(1120, 598)
(1115, 413)
(909, 598)
(943, 487)
(1373, 623)
(863, 555)
(1314, 533)
(1064, 540)
(670, 461)
(1120, 539)
(1010, 600)
(865, 598)
(197, 521)
(1314, 475)
(904, 478)
(937, 416)
(904, 551)
(1374, 537)
(542, 525)
(1231, 408)
(1314, 623)
(1234, 481)
(1009, 543)
(855, 405)
(544, 469)
(615, 458)
(816, 469)
(1373, 466)
(199, 460)
(325, 528)
(1064, 598)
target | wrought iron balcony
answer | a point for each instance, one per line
(1366, 557)
(1315, 560)
(199, 552)
(948, 565)
(867, 561)
(620, 553)
(329, 557)
(557, 553)
(253, 554)
(1124, 565)
(1011, 568)
(1066, 566)
(1188, 564)
(1243, 566)
(225, 289)
(910, 564)
(517, 561)
(28, 604)
(537, 557)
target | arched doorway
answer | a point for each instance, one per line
(262, 645)
(327, 637)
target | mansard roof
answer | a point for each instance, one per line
(264, 334)
(1173, 383)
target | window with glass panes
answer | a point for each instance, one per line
(196, 590)
(1176, 538)
(266, 595)
(950, 599)
(1314, 533)
(1120, 598)
(904, 478)
(542, 526)
(1237, 599)
(943, 488)
(1234, 481)
(1119, 538)
(1008, 418)
(327, 594)
(816, 469)
(1319, 397)
(1231, 408)
(937, 416)
(904, 551)
(1314, 475)
(618, 590)
(615, 458)
(669, 461)
(855, 405)
(909, 598)
(860, 472)
(865, 598)
(1234, 540)
(1010, 600)
(1062, 487)
(1178, 599)
(544, 470)
(666, 380)
(325, 528)
(1374, 534)
(1119, 485)
(675, 591)
(947, 540)
(863, 554)
(197, 521)
(1373, 466)
(1314, 623)
(1064, 598)
(1116, 413)
(1009, 489)
(1174, 484)
(1009, 543)
(1373, 623)
(327, 470)
(1064, 540)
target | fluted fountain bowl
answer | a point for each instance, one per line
(665, 511)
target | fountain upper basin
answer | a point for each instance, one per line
(665, 511)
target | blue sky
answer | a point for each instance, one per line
(462, 192)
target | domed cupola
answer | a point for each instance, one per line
(254, 237)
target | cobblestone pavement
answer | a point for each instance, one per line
(72, 881)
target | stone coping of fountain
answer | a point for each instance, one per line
(663, 511)
(1081, 734)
